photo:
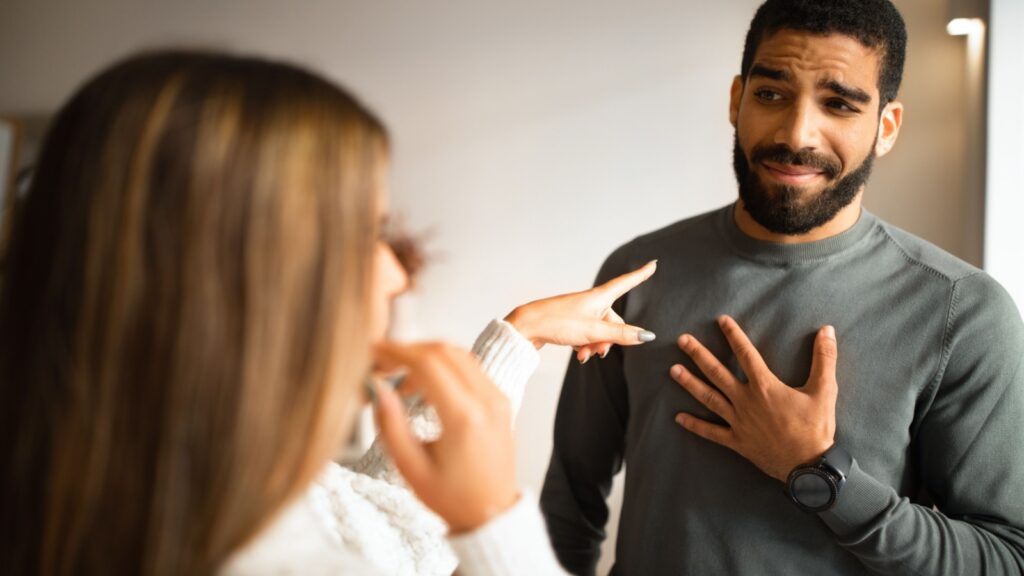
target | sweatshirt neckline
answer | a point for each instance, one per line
(775, 252)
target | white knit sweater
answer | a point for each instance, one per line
(363, 520)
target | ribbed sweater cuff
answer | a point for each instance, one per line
(862, 502)
(516, 542)
(508, 358)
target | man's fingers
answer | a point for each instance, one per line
(749, 358)
(711, 399)
(613, 289)
(719, 375)
(407, 452)
(718, 434)
(823, 363)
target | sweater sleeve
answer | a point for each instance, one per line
(589, 442)
(507, 358)
(511, 544)
(968, 451)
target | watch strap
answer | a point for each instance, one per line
(838, 459)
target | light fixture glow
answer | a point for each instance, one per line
(965, 26)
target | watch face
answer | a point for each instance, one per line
(812, 490)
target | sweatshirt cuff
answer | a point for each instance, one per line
(515, 542)
(859, 506)
(508, 358)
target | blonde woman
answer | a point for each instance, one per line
(195, 292)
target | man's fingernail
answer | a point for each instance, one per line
(676, 371)
(830, 332)
(684, 340)
(646, 336)
(681, 419)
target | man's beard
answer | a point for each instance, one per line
(780, 209)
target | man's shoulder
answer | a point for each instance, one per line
(974, 287)
(665, 242)
(927, 257)
(692, 227)
(699, 230)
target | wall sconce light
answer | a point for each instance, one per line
(965, 26)
(966, 17)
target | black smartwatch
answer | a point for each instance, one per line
(816, 487)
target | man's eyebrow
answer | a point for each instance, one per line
(758, 70)
(849, 92)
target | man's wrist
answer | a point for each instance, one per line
(816, 487)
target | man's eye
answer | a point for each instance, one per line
(766, 95)
(840, 105)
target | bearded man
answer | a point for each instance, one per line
(843, 397)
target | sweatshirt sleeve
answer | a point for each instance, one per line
(968, 450)
(589, 442)
(511, 544)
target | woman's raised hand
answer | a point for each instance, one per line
(584, 320)
(467, 476)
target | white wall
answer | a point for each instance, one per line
(532, 137)
(1004, 236)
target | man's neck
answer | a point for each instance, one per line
(843, 221)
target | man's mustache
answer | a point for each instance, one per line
(781, 154)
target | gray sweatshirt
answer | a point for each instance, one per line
(931, 407)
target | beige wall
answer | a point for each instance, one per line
(532, 137)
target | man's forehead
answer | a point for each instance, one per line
(818, 50)
(831, 56)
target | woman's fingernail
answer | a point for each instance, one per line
(646, 336)
(586, 357)
(605, 354)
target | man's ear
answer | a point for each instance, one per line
(735, 96)
(889, 128)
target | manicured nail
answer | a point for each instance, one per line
(655, 262)
(605, 353)
(830, 332)
(646, 336)
(585, 358)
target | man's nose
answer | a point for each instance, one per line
(800, 130)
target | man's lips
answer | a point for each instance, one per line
(790, 173)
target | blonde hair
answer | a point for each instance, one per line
(183, 317)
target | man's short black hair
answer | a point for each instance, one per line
(875, 23)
